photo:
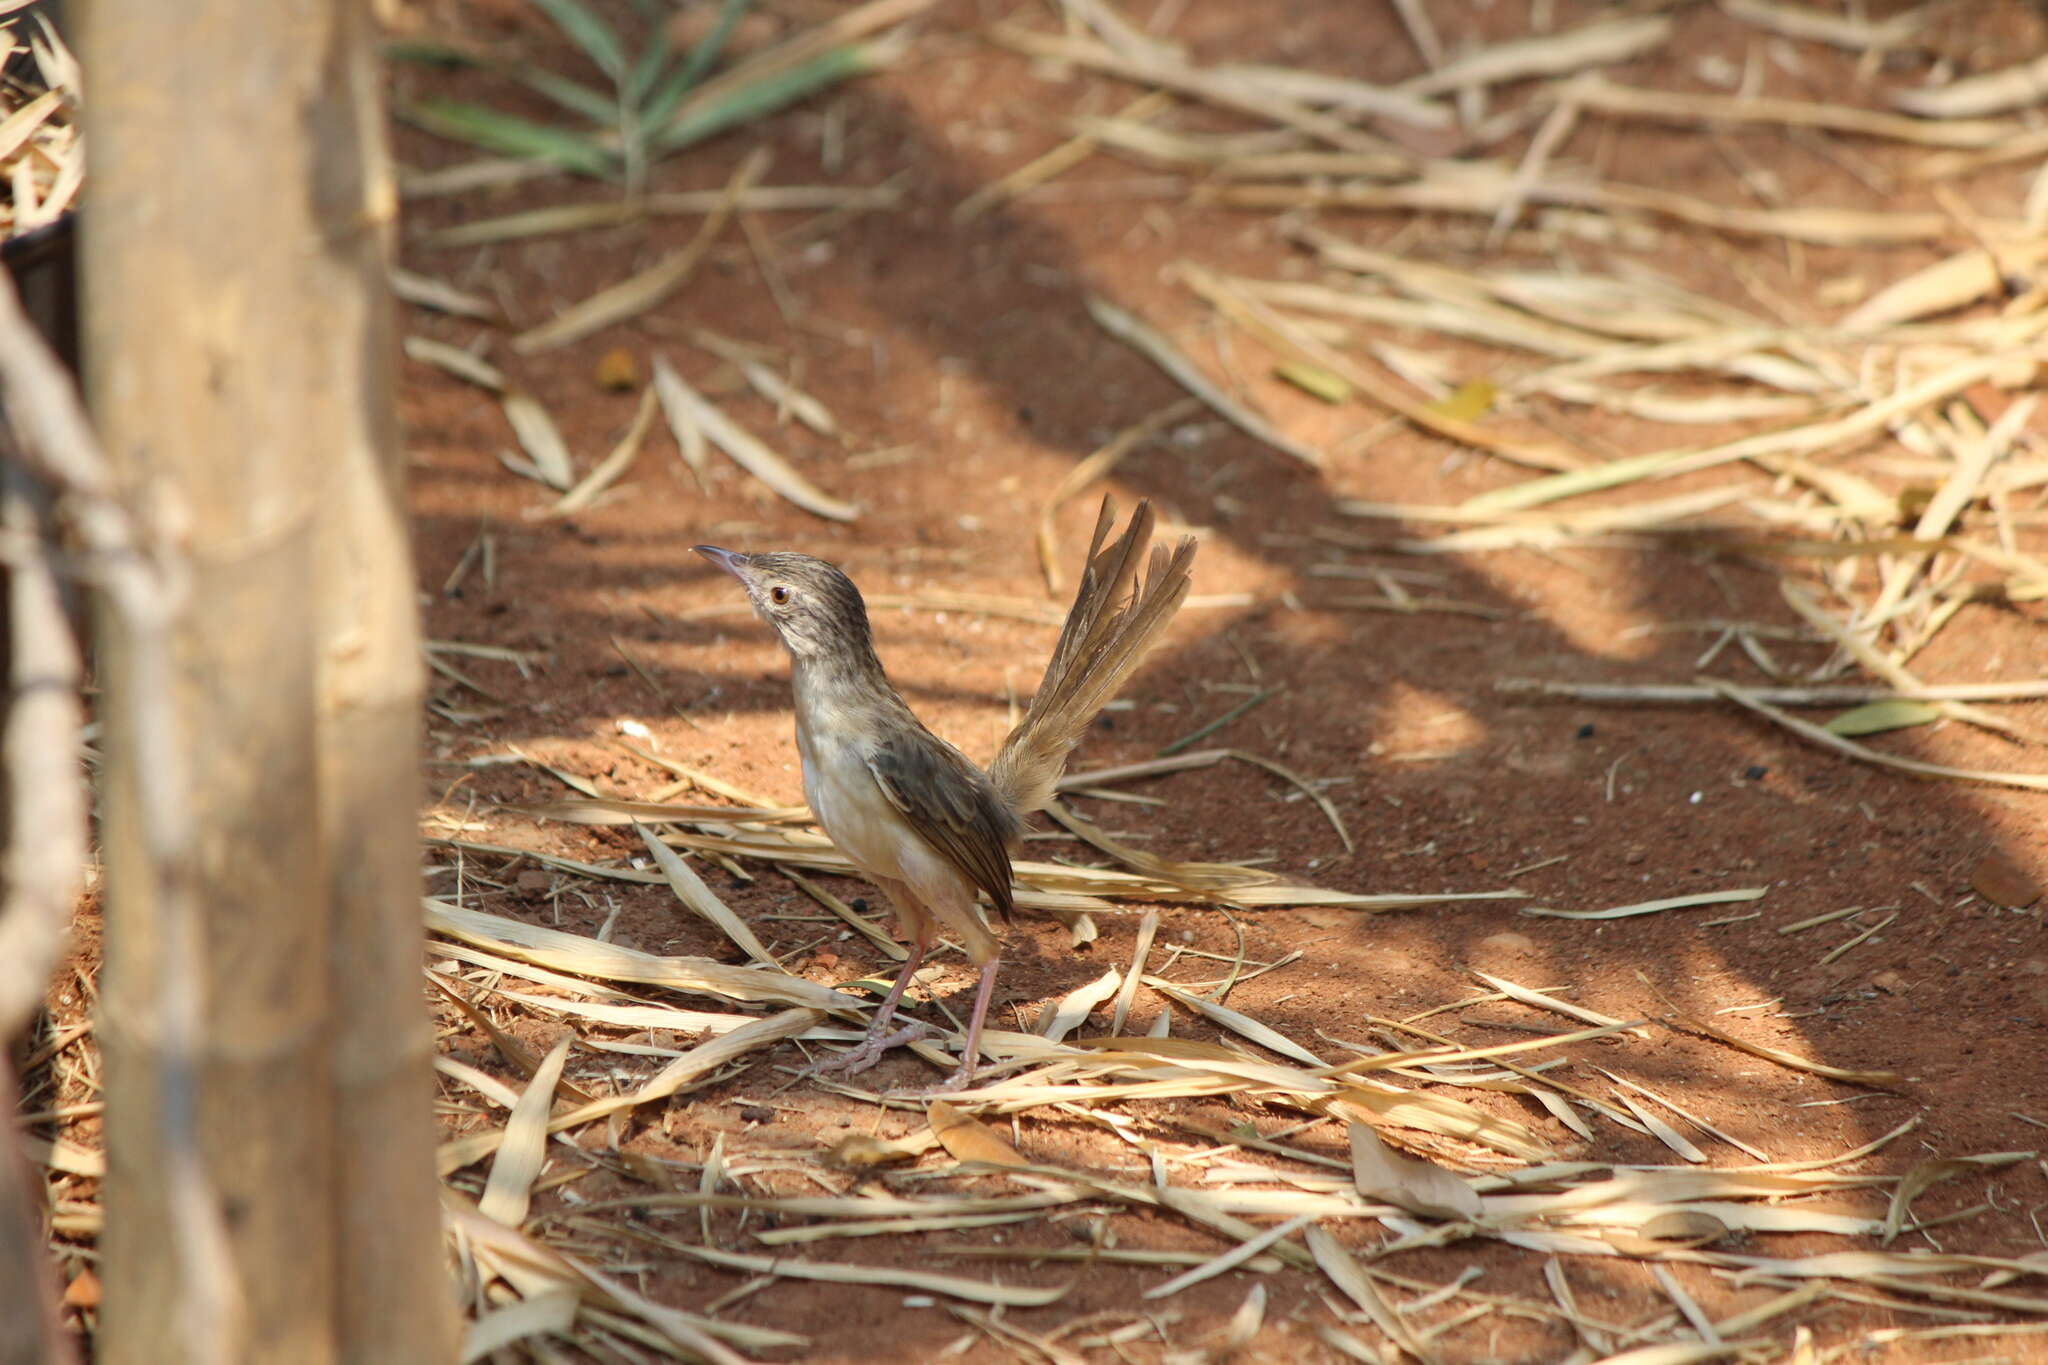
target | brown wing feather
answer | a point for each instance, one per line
(952, 806)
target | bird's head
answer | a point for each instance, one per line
(812, 605)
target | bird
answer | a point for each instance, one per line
(914, 814)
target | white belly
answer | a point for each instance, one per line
(854, 814)
(857, 816)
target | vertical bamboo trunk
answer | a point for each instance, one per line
(237, 356)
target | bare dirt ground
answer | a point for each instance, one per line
(967, 379)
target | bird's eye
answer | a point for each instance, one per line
(778, 594)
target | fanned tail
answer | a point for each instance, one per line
(1114, 622)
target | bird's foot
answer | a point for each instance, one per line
(867, 1052)
(961, 1079)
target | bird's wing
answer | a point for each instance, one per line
(951, 805)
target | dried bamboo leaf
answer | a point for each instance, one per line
(1930, 1173)
(523, 1146)
(1385, 1175)
(952, 1286)
(636, 294)
(456, 361)
(1881, 1079)
(611, 962)
(539, 437)
(1954, 282)
(680, 1074)
(1683, 1113)
(1545, 1002)
(1852, 33)
(440, 296)
(1821, 736)
(747, 450)
(546, 1314)
(1229, 1260)
(692, 892)
(521, 1057)
(637, 1017)
(607, 471)
(1076, 1005)
(1753, 893)
(1382, 1105)
(1691, 109)
(535, 1269)
(2019, 86)
(1816, 436)
(1549, 54)
(1678, 1353)
(1216, 877)
(1129, 329)
(1352, 1282)
(1155, 64)
(1288, 336)
(966, 1138)
(1237, 1022)
(1664, 1132)
(611, 811)
(752, 363)
(1323, 90)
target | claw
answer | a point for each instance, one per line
(868, 1051)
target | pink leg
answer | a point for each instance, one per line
(879, 1039)
(970, 1054)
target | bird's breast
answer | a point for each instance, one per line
(850, 806)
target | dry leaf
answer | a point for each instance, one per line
(860, 1151)
(967, 1138)
(1384, 1174)
(2002, 881)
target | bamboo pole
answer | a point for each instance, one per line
(270, 1191)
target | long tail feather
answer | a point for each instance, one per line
(1114, 621)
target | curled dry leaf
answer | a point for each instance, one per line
(1384, 1174)
(967, 1138)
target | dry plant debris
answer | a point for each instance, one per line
(1385, 1131)
(42, 152)
(1349, 1154)
(1425, 1165)
(1941, 364)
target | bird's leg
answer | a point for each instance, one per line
(970, 1053)
(879, 1039)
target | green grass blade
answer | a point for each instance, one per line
(597, 38)
(647, 68)
(508, 135)
(663, 106)
(764, 97)
(574, 96)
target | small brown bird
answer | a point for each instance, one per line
(914, 814)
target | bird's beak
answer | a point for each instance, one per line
(732, 561)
